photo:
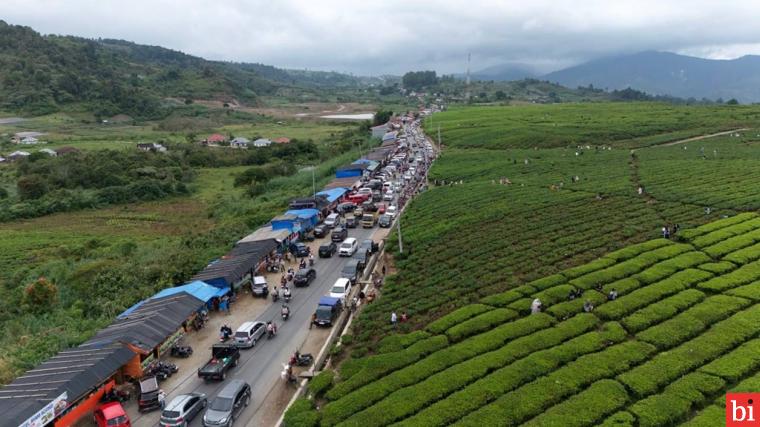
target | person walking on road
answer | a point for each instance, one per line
(383, 270)
(394, 319)
(313, 319)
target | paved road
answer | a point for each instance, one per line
(261, 365)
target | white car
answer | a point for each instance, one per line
(388, 197)
(365, 190)
(391, 211)
(348, 247)
(341, 289)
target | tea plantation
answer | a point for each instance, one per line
(684, 329)
(510, 217)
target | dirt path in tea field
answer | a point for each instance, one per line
(697, 138)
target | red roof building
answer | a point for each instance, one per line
(216, 138)
(281, 140)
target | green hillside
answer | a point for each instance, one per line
(511, 217)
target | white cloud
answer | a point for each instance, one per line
(392, 36)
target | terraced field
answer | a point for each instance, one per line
(684, 329)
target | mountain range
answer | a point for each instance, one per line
(662, 73)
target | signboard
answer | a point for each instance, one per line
(48, 413)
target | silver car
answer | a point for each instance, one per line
(182, 409)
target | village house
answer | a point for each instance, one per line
(29, 140)
(49, 152)
(281, 140)
(18, 155)
(215, 139)
(240, 142)
(262, 142)
(379, 130)
(151, 146)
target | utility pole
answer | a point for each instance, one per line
(400, 243)
(439, 139)
(313, 184)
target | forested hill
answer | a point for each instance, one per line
(41, 74)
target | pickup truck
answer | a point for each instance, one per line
(223, 358)
(368, 220)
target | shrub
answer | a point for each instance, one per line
(678, 399)
(736, 364)
(633, 250)
(589, 267)
(398, 342)
(379, 365)
(547, 282)
(480, 323)
(751, 291)
(666, 268)
(745, 255)
(301, 414)
(743, 275)
(501, 299)
(710, 416)
(692, 321)
(510, 377)
(585, 408)
(566, 309)
(521, 306)
(623, 286)
(456, 317)
(664, 309)
(721, 267)
(321, 382)
(667, 366)
(554, 294)
(733, 244)
(717, 225)
(644, 296)
(619, 419)
(534, 398)
(409, 400)
(358, 399)
(726, 232)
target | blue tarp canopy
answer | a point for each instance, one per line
(329, 301)
(390, 136)
(201, 290)
(307, 217)
(333, 194)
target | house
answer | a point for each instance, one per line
(262, 142)
(390, 136)
(151, 146)
(66, 150)
(29, 140)
(215, 139)
(281, 140)
(18, 155)
(379, 131)
(240, 142)
(49, 152)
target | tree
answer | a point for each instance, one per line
(381, 117)
(500, 95)
(732, 101)
(40, 295)
(31, 187)
(419, 79)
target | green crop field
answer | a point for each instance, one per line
(478, 250)
(562, 125)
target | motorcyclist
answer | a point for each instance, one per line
(285, 311)
(275, 294)
(271, 328)
(226, 332)
(311, 260)
(286, 292)
(302, 265)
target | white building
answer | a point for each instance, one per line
(240, 142)
(262, 142)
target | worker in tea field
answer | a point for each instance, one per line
(394, 319)
(612, 296)
(588, 307)
(536, 306)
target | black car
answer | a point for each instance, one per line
(339, 234)
(385, 221)
(228, 404)
(351, 271)
(362, 257)
(369, 246)
(300, 250)
(369, 206)
(346, 207)
(328, 250)
(305, 276)
(321, 231)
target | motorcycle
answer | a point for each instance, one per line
(285, 312)
(271, 330)
(225, 333)
(287, 296)
(299, 359)
(311, 260)
(181, 351)
(275, 296)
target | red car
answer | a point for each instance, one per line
(381, 208)
(111, 415)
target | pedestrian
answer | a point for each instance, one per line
(612, 296)
(588, 307)
(535, 307)
(313, 319)
(161, 398)
(664, 232)
(383, 270)
(404, 317)
(394, 319)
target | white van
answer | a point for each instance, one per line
(248, 333)
(341, 289)
(348, 247)
(332, 220)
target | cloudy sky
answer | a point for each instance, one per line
(388, 36)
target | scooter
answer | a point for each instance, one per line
(285, 312)
(181, 351)
(299, 359)
(275, 296)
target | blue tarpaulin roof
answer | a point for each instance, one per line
(303, 213)
(128, 311)
(333, 194)
(328, 301)
(198, 289)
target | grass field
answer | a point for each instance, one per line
(477, 252)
